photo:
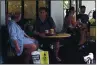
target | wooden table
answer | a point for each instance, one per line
(57, 38)
(60, 35)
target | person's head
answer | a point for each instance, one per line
(9, 16)
(82, 9)
(94, 14)
(43, 12)
(16, 17)
(71, 10)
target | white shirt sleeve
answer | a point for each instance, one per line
(12, 32)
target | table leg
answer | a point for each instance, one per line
(56, 49)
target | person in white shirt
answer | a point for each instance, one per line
(19, 39)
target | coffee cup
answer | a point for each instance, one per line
(52, 31)
(46, 31)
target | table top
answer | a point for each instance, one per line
(60, 35)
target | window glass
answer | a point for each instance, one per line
(30, 9)
(14, 6)
(42, 3)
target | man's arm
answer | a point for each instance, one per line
(13, 36)
(37, 30)
(52, 23)
(27, 35)
(39, 34)
(17, 48)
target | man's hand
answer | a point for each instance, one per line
(36, 33)
(42, 35)
(17, 49)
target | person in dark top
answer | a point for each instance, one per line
(83, 20)
(84, 17)
(44, 24)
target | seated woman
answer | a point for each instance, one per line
(74, 26)
(19, 39)
(70, 20)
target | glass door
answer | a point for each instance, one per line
(30, 9)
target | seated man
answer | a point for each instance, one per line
(19, 39)
(43, 25)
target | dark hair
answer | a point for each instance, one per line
(67, 12)
(13, 17)
(71, 9)
(43, 8)
(94, 14)
(82, 7)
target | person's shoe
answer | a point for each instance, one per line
(81, 47)
(89, 58)
(58, 59)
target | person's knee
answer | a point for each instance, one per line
(34, 47)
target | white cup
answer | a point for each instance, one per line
(36, 57)
(46, 31)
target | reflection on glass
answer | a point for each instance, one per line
(14, 6)
(74, 4)
(30, 9)
(66, 6)
(42, 3)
